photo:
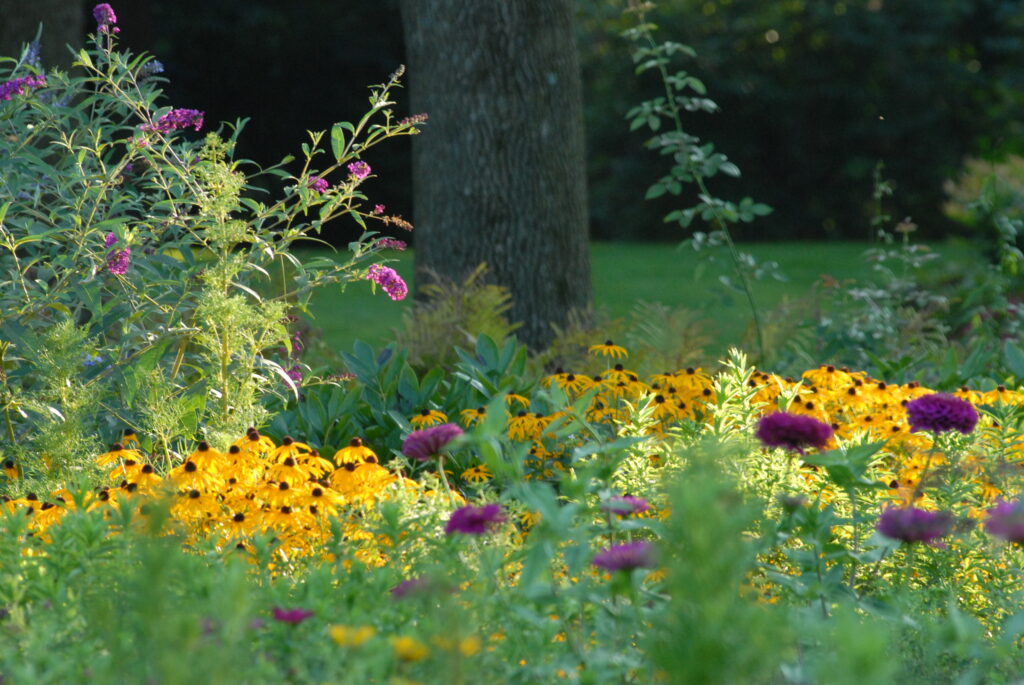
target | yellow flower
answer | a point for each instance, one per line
(355, 453)
(476, 474)
(469, 646)
(472, 416)
(409, 648)
(346, 636)
(429, 417)
(608, 349)
(118, 451)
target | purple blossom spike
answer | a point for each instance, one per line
(793, 431)
(914, 525)
(388, 279)
(625, 557)
(20, 86)
(423, 444)
(117, 260)
(318, 184)
(940, 413)
(471, 520)
(359, 170)
(105, 18)
(175, 119)
(392, 243)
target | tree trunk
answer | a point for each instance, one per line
(63, 24)
(498, 172)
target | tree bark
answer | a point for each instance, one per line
(63, 24)
(498, 172)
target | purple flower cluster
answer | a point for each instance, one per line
(175, 119)
(117, 260)
(392, 243)
(793, 431)
(318, 184)
(625, 557)
(104, 15)
(940, 412)
(625, 505)
(471, 520)
(359, 170)
(423, 444)
(388, 279)
(1006, 521)
(292, 616)
(20, 86)
(914, 525)
(377, 210)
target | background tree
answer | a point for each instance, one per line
(499, 172)
(64, 24)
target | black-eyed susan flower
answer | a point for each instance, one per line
(289, 447)
(428, 417)
(351, 636)
(356, 452)
(608, 349)
(118, 451)
(477, 474)
(11, 470)
(512, 398)
(288, 471)
(189, 475)
(314, 464)
(408, 648)
(129, 438)
(206, 457)
(470, 417)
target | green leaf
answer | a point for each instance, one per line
(337, 142)
(1013, 357)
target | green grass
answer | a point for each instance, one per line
(624, 273)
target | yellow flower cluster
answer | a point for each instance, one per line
(287, 491)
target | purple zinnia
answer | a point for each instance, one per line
(318, 184)
(388, 279)
(20, 86)
(292, 616)
(175, 119)
(625, 505)
(793, 431)
(625, 557)
(471, 520)
(914, 525)
(359, 170)
(1006, 521)
(104, 15)
(940, 412)
(423, 444)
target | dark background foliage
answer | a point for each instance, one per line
(813, 93)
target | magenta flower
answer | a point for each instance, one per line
(292, 616)
(388, 279)
(105, 18)
(423, 444)
(117, 260)
(175, 119)
(318, 184)
(914, 525)
(940, 412)
(625, 505)
(392, 243)
(471, 520)
(359, 170)
(792, 431)
(378, 209)
(625, 557)
(1006, 521)
(20, 86)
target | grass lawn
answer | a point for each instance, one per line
(624, 273)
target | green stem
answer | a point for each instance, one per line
(444, 479)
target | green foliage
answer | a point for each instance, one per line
(135, 255)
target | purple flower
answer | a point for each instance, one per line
(389, 280)
(625, 557)
(625, 505)
(1006, 521)
(20, 86)
(118, 261)
(292, 616)
(793, 431)
(939, 413)
(914, 525)
(378, 209)
(471, 520)
(104, 15)
(318, 184)
(109, 239)
(359, 170)
(175, 119)
(423, 444)
(295, 373)
(392, 243)
(413, 586)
